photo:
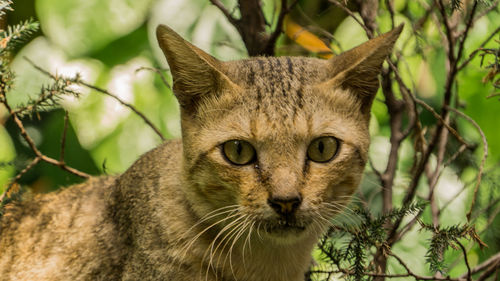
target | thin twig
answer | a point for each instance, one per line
(489, 271)
(37, 152)
(390, 8)
(124, 103)
(495, 259)
(468, 25)
(464, 251)
(285, 10)
(473, 54)
(352, 15)
(77, 81)
(18, 177)
(225, 11)
(483, 160)
(63, 137)
(159, 72)
(437, 116)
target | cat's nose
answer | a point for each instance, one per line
(285, 206)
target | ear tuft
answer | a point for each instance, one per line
(358, 68)
(195, 73)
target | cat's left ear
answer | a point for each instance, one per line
(195, 73)
(357, 69)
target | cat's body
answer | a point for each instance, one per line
(272, 148)
(104, 230)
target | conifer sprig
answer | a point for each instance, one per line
(48, 98)
(444, 238)
(17, 34)
(353, 256)
(5, 6)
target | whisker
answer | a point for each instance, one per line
(240, 233)
(210, 250)
(249, 243)
(193, 240)
(229, 236)
(258, 230)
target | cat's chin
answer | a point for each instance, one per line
(285, 232)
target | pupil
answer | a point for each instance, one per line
(321, 147)
(239, 147)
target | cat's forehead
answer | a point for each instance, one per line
(277, 74)
(283, 87)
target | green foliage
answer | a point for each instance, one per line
(48, 98)
(5, 6)
(352, 256)
(16, 35)
(11, 38)
(442, 239)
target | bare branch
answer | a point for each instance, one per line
(443, 122)
(124, 103)
(279, 25)
(63, 137)
(352, 15)
(13, 182)
(159, 72)
(473, 54)
(78, 81)
(483, 160)
(225, 11)
(464, 252)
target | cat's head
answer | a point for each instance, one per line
(278, 144)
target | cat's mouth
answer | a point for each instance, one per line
(282, 226)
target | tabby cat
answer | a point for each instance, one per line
(272, 148)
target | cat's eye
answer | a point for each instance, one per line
(239, 152)
(322, 149)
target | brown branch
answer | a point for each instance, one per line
(352, 15)
(124, 103)
(483, 160)
(63, 137)
(368, 10)
(483, 13)
(225, 11)
(390, 8)
(157, 71)
(13, 182)
(468, 25)
(443, 122)
(493, 260)
(473, 54)
(76, 80)
(492, 269)
(464, 252)
(37, 152)
(285, 10)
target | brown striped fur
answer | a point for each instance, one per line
(182, 211)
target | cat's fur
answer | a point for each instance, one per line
(182, 211)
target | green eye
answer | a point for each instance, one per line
(322, 149)
(238, 152)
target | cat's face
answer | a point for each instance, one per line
(286, 149)
(274, 144)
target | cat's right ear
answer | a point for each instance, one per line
(357, 69)
(195, 73)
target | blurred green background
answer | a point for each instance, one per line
(109, 41)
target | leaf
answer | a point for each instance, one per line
(306, 39)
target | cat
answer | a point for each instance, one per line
(272, 149)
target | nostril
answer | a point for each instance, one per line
(285, 206)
